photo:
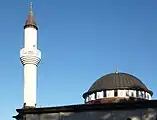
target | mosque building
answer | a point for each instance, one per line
(114, 96)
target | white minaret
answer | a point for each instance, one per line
(30, 57)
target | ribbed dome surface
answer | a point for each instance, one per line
(117, 81)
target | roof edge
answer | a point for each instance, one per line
(91, 107)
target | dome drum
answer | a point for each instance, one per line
(120, 94)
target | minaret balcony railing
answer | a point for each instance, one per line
(30, 56)
(30, 52)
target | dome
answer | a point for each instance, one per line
(115, 81)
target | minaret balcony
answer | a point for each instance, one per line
(30, 56)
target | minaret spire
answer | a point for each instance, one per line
(31, 6)
(30, 22)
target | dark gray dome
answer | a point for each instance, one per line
(117, 81)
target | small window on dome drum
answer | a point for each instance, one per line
(89, 98)
(147, 96)
(132, 94)
(104, 93)
(127, 93)
(137, 93)
(95, 95)
(86, 100)
(144, 95)
(115, 93)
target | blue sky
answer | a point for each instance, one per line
(80, 41)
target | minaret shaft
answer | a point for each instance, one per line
(30, 38)
(30, 84)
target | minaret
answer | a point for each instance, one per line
(30, 57)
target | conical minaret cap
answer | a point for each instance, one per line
(30, 22)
